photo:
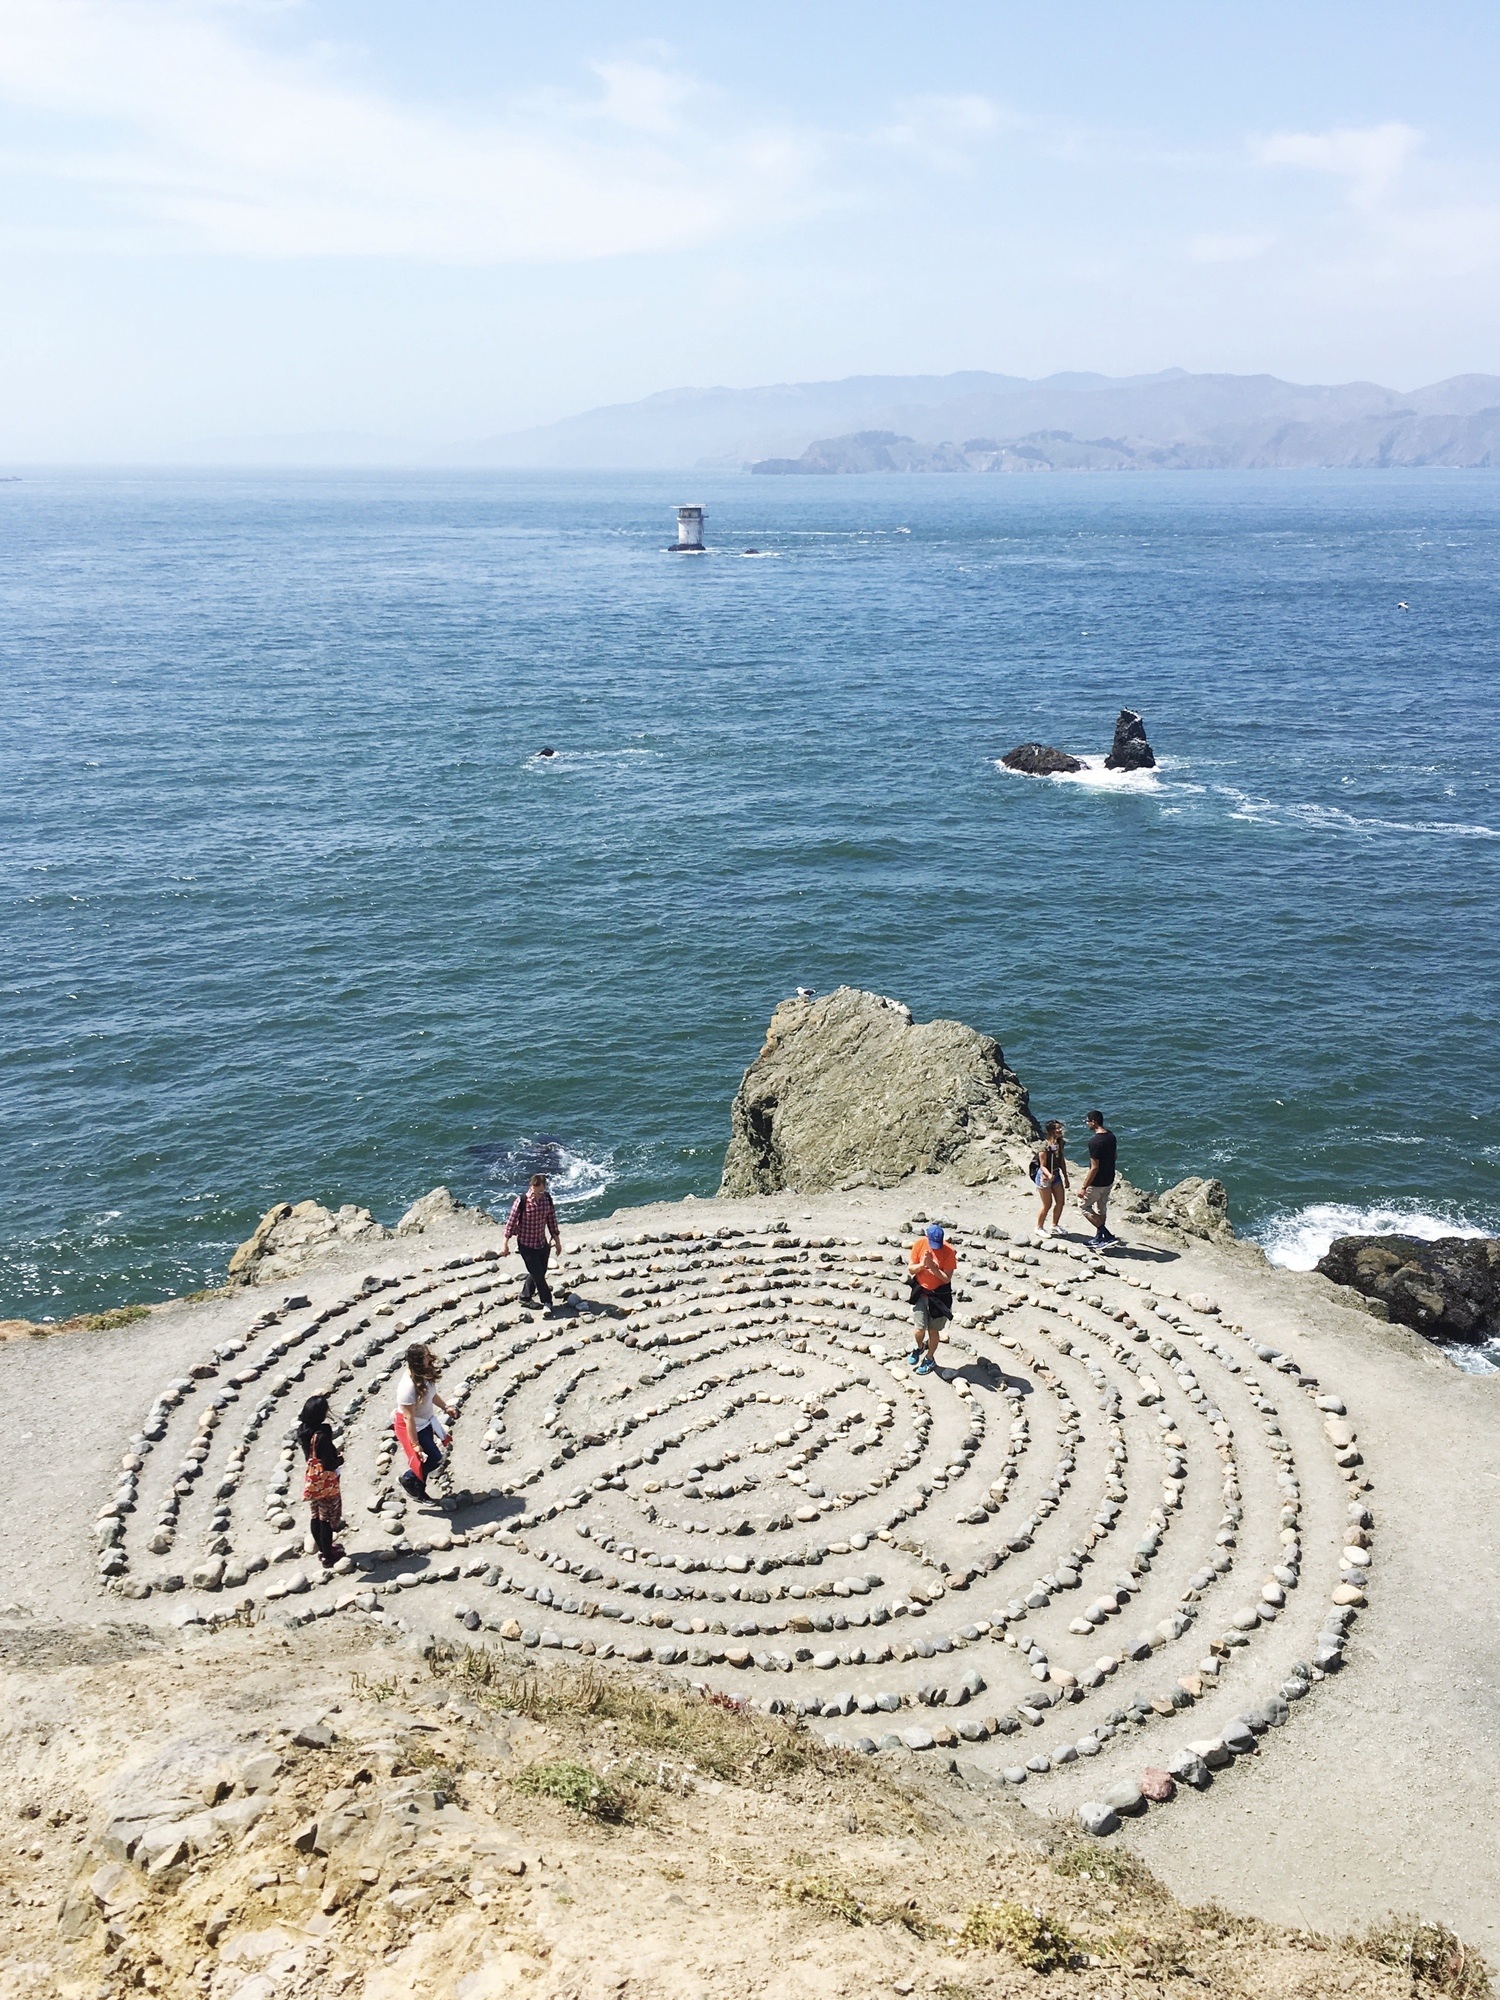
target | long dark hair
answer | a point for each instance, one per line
(422, 1365)
(1052, 1135)
(314, 1415)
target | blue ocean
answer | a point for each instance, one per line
(292, 906)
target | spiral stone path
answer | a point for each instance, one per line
(1110, 1550)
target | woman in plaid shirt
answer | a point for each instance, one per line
(532, 1221)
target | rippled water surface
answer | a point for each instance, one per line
(291, 907)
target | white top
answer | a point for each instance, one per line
(418, 1408)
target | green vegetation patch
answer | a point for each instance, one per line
(1039, 1942)
(572, 1785)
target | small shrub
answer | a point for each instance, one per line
(107, 1322)
(1092, 1861)
(572, 1785)
(1038, 1941)
(1433, 1959)
(825, 1894)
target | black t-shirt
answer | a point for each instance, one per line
(1102, 1153)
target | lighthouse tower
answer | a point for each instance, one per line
(689, 531)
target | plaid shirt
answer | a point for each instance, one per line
(532, 1220)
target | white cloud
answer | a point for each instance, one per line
(185, 135)
(1369, 160)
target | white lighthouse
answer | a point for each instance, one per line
(689, 531)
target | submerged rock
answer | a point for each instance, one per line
(1040, 760)
(1130, 751)
(850, 1092)
(1448, 1289)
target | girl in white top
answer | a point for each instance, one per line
(415, 1422)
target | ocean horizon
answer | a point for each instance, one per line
(293, 907)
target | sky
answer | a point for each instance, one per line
(226, 220)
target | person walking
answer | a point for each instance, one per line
(931, 1263)
(1051, 1176)
(414, 1422)
(533, 1223)
(322, 1488)
(1094, 1189)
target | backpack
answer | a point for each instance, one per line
(1034, 1171)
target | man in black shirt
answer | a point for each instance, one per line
(1093, 1195)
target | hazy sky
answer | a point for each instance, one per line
(442, 219)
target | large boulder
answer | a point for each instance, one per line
(1040, 760)
(290, 1234)
(1130, 751)
(849, 1091)
(432, 1210)
(1196, 1207)
(1448, 1289)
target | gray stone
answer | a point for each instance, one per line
(1125, 1797)
(848, 1089)
(1097, 1818)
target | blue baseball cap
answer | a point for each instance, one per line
(934, 1233)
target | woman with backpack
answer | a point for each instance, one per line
(1049, 1170)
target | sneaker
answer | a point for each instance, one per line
(925, 1365)
(914, 1357)
(1101, 1242)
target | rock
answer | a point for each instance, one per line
(1040, 760)
(289, 1235)
(1157, 1785)
(849, 1091)
(1125, 1797)
(1130, 751)
(1196, 1206)
(315, 1736)
(1448, 1289)
(1095, 1817)
(436, 1207)
(918, 1739)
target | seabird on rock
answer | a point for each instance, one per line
(807, 992)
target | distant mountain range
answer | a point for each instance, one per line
(977, 422)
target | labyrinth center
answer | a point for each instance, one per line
(1105, 1552)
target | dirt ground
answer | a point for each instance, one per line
(1379, 1799)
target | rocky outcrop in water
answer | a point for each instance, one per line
(1130, 751)
(1040, 760)
(849, 1091)
(292, 1232)
(1448, 1289)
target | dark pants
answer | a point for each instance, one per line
(536, 1271)
(432, 1458)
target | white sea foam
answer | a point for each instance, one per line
(1334, 819)
(1095, 777)
(1296, 1241)
(567, 760)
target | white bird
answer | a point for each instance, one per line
(1403, 605)
(807, 992)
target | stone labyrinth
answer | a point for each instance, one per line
(1106, 1552)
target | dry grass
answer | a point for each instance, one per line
(1432, 1958)
(1035, 1940)
(719, 1739)
(575, 1786)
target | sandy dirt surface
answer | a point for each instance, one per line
(1374, 1794)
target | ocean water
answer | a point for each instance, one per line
(291, 906)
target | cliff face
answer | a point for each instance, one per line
(850, 1092)
(1448, 1289)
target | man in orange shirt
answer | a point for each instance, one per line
(931, 1263)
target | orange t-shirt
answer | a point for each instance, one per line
(923, 1256)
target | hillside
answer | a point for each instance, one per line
(1173, 419)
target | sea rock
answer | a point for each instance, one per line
(849, 1091)
(1130, 751)
(437, 1207)
(289, 1235)
(1448, 1289)
(1196, 1206)
(1040, 760)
